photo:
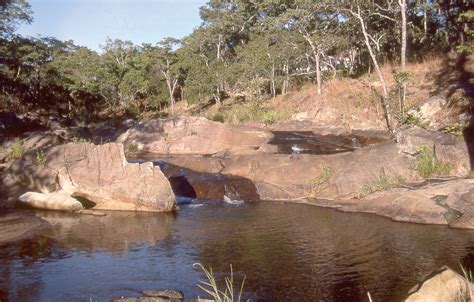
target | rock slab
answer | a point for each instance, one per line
(445, 286)
(59, 201)
(192, 135)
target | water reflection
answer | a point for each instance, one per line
(287, 253)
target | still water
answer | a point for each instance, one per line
(287, 253)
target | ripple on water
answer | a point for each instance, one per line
(287, 252)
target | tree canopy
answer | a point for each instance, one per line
(250, 48)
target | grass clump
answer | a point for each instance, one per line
(17, 150)
(467, 274)
(426, 163)
(40, 158)
(78, 140)
(322, 179)
(456, 129)
(382, 183)
(132, 147)
(228, 294)
(411, 119)
(218, 117)
(253, 111)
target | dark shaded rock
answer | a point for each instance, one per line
(213, 186)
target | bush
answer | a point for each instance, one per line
(132, 147)
(17, 150)
(218, 117)
(427, 164)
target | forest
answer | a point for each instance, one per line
(244, 49)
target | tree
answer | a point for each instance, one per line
(165, 65)
(362, 15)
(316, 22)
(12, 13)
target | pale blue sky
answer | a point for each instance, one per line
(90, 22)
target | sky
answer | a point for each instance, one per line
(90, 22)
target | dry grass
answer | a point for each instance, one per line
(355, 103)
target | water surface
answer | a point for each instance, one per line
(287, 253)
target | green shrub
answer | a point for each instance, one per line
(456, 129)
(426, 163)
(17, 150)
(322, 179)
(412, 120)
(132, 147)
(218, 117)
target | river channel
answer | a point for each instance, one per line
(287, 252)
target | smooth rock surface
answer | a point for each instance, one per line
(99, 174)
(282, 176)
(445, 286)
(59, 201)
(191, 135)
(445, 203)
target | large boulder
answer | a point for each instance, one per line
(51, 201)
(429, 110)
(446, 148)
(100, 174)
(191, 135)
(444, 286)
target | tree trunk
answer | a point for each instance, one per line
(286, 82)
(425, 18)
(318, 72)
(272, 79)
(316, 56)
(385, 100)
(403, 6)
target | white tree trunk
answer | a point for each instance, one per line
(386, 105)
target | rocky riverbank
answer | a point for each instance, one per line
(294, 161)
